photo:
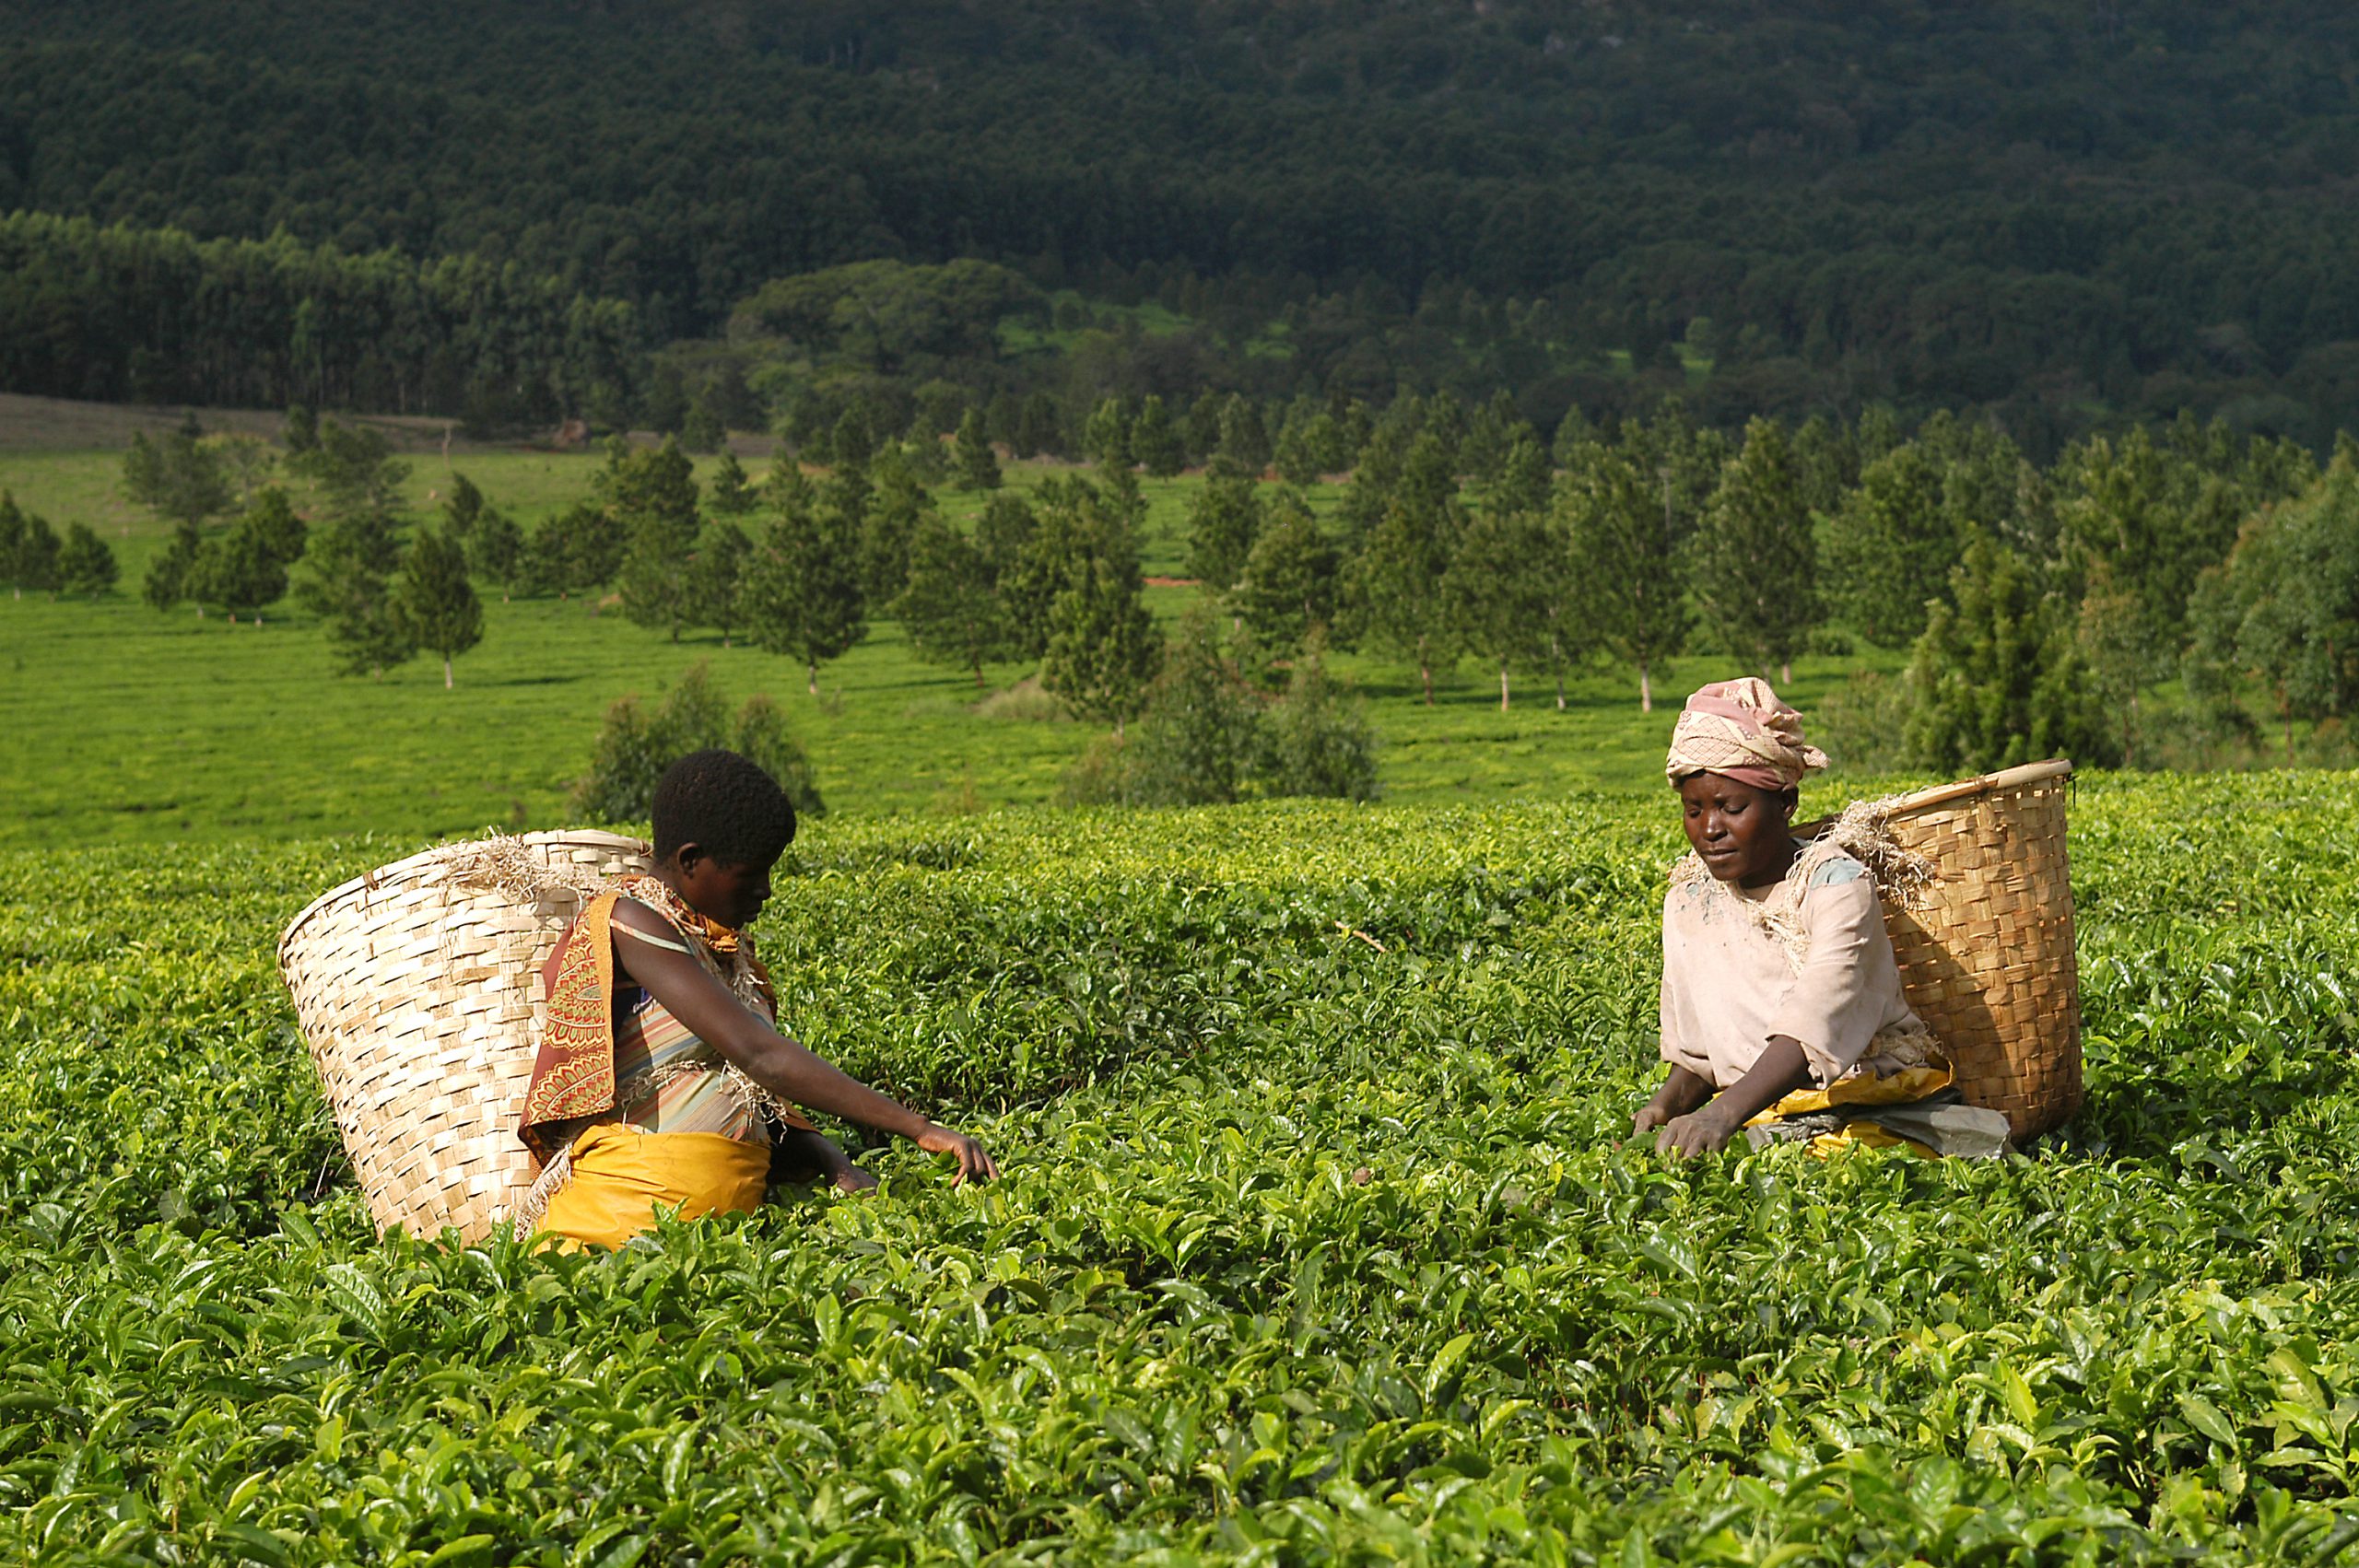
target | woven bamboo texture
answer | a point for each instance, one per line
(417, 986)
(1985, 949)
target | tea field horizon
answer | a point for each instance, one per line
(1316, 1242)
(134, 725)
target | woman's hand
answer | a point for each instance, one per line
(1651, 1115)
(1695, 1134)
(972, 1158)
(1680, 1092)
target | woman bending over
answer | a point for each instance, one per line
(662, 1080)
(1782, 1011)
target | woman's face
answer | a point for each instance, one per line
(729, 892)
(1738, 832)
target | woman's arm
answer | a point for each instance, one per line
(1781, 1070)
(778, 1064)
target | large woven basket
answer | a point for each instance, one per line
(1986, 948)
(418, 988)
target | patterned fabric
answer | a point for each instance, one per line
(575, 1074)
(1740, 729)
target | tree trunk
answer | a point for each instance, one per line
(446, 672)
(1785, 672)
(1426, 670)
(1560, 691)
(814, 677)
(979, 682)
(1503, 688)
(1645, 688)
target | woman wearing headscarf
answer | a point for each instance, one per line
(1782, 1011)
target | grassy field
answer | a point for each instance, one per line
(137, 726)
(1309, 1250)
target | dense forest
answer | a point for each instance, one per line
(2067, 214)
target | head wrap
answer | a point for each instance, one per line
(1741, 729)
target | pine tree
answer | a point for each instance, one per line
(1523, 479)
(1201, 429)
(1376, 470)
(1244, 439)
(433, 601)
(1155, 441)
(179, 479)
(1397, 577)
(1055, 533)
(1106, 438)
(495, 549)
(1224, 517)
(1497, 592)
(1890, 546)
(700, 430)
(461, 507)
(886, 520)
(1574, 434)
(2284, 607)
(29, 549)
(167, 580)
(1103, 647)
(800, 595)
(1038, 428)
(356, 474)
(1997, 679)
(1753, 561)
(301, 431)
(1002, 534)
(978, 466)
(1288, 585)
(947, 606)
(273, 518)
(575, 550)
(1611, 519)
(731, 494)
(85, 566)
(717, 575)
(239, 571)
(351, 556)
(652, 497)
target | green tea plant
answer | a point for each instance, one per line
(1316, 1242)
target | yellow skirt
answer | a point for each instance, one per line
(1908, 1084)
(622, 1176)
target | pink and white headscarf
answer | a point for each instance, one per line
(1741, 729)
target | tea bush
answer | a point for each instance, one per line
(1315, 1244)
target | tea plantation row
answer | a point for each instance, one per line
(1315, 1244)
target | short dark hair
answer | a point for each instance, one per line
(727, 806)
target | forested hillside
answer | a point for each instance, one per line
(2071, 213)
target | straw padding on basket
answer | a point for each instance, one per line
(1986, 944)
(417, 989)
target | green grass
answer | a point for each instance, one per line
(1306, 1252)
(138, 727)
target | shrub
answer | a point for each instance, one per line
(638, 741)
(1316, 739)
(1202, 726)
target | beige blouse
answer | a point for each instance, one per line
(1807, 956)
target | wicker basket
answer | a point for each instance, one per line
(1986, 949)
(416, 986)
